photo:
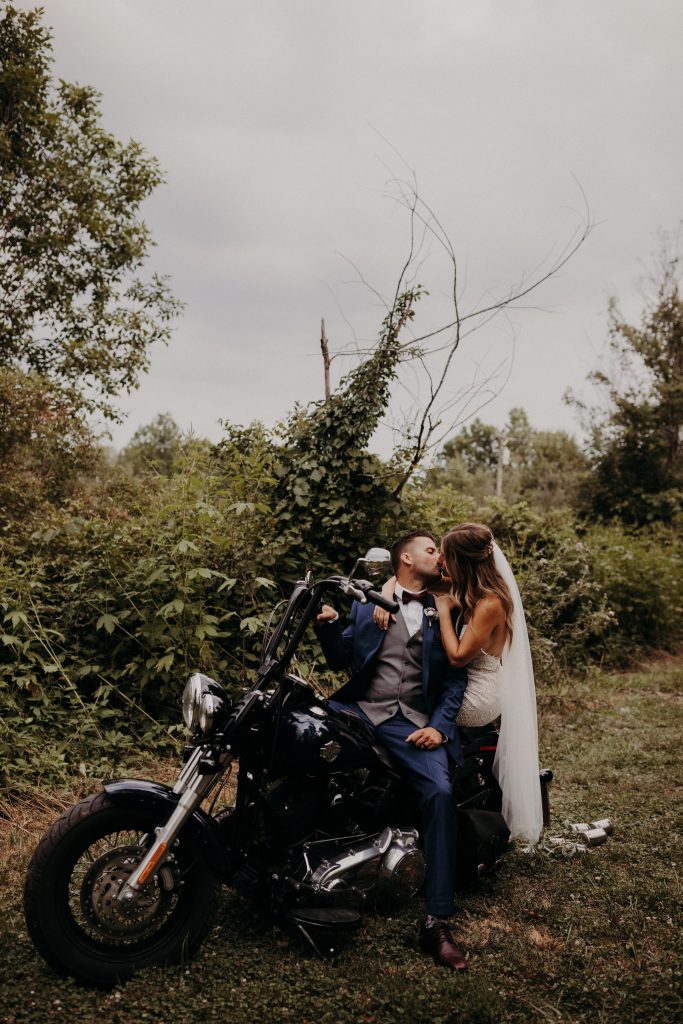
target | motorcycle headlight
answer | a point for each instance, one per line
(192, 699)
(203, 699)
(208, 711)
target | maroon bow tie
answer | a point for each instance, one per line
(407, 596)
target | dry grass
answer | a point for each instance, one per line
(24, 819)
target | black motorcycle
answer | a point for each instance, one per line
(323, 827)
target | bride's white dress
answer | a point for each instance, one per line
(482, 701)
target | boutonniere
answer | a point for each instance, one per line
(431, 614)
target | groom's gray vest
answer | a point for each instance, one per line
(397, 680)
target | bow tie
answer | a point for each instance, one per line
(407, 596)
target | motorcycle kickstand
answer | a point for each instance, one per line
(309, 938)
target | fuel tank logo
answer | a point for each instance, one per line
(330, 751)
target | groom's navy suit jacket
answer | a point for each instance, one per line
(357, 647)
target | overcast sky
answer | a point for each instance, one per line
(280, 124)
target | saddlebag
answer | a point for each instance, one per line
(482, 840)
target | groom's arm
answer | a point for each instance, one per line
(338, 644)
(453, 688)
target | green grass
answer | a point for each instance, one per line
(591, 939)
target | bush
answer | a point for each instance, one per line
(105, 615)
(641, 573)
(139, 581)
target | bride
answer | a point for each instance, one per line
(489, 637)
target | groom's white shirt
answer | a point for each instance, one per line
(411, 611)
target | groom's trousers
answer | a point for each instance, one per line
(428, 771)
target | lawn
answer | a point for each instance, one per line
(592, 938)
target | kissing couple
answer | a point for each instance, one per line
(456, 653)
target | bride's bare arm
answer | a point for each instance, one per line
(381, 617)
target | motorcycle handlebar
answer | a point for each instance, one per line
(375, 597)
(383, 602)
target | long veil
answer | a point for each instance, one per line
(516, 762)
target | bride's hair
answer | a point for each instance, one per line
(467, 550)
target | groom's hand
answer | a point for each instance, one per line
(326, 614)
(426, 739)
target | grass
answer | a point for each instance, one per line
(593, 938)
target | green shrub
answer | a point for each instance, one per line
(137, 582)
(641, 573)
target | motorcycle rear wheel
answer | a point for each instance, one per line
(71, 912)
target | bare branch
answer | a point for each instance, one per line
(326, 359)
(438, 409)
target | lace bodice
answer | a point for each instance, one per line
(481, 703)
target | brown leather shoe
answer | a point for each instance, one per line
(435, 938)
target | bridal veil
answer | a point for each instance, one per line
(516, 761)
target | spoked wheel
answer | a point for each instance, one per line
(77, 871)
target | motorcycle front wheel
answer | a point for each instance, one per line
(72, 914)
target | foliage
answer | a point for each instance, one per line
(135, 582)
(635, 445)
(104, 616)
(154, 447)
(332, 493)
(44, 446)
(642, 574)
(543, 467)
(71, 239)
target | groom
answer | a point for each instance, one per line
(404, 687)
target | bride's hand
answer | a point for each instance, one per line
(383, 618)
(445, 603)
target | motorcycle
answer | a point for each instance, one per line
(323, 826)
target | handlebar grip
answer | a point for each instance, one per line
(383, 602)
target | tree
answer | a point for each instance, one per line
(333, 493)
(554, 472)
(44, 447)
(635, 441)
(71, 240)
(154, 447)
(475, 445)
(542, 467)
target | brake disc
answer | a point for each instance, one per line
(102, 884)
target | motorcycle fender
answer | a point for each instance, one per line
(157, 797)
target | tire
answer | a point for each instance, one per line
(75, 924)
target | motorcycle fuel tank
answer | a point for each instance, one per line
(311, 738)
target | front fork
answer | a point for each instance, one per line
(192, 787)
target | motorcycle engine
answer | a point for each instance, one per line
(391, 868)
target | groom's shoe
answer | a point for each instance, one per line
(435, 938)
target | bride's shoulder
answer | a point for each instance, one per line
(490, 607)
